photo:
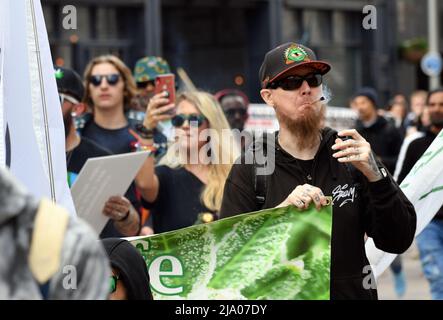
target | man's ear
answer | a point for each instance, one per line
(266, 95)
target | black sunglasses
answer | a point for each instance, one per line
(144, 84)
(295, 82)
(232, 112)
(113, 283)
(112, 79)
(194, 119)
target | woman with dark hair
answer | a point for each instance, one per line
(130, 278)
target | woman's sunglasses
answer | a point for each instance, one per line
(295, 82)
(193, 119)
(113, 283)
(112, 79)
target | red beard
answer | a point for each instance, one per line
(306, 127)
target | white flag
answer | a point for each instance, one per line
(423, 186)
(30, 112)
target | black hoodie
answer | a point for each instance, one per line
(385, 140)
(378, 209)
(132, 267)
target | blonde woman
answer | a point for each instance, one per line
(187, 186)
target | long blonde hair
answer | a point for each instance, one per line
(224, 148)
(130, 88)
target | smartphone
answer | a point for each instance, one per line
(166, 82)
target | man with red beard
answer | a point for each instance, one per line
(309, 162)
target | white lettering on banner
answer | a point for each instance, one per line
(344, 193)
(156, 274)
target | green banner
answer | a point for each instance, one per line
(271, 254)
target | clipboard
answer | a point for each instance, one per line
(101, 178)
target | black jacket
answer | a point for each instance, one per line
(131, 268)
(379, 209)
(385, 140)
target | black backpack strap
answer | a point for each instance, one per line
(259, 185)
(260, 180)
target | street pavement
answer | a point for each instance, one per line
(417, 287)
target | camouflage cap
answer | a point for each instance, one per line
(148, 68)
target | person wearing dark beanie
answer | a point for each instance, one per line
(383, 136)
(369, 93)
(130, 277)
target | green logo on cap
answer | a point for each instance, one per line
(295, 54)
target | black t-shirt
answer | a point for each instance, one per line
(385, 140)
(76, 159)
(178, 202)
(116, 140)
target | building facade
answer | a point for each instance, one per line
(221, 43)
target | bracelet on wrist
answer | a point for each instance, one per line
(143, 147)
(126, 216)
(144, 132)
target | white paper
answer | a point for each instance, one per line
(101, 178)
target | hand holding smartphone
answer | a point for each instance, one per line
(166, 83)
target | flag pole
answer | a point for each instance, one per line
(43, 99)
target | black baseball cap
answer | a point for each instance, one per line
(69, 82)
(284, 59)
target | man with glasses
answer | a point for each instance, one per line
(312, 161)
(235, 106)
(145, 72)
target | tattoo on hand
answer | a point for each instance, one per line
(374, 166)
